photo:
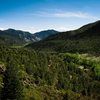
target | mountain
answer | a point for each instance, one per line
(26, 36)
(27, 74)
(12, 36)
(45, 34)
(84, 40)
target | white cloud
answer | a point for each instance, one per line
(61, 14)
(62, 28)
(74, 14)
(1, 28)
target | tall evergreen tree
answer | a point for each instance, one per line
(12, 84)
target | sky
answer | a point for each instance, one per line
(38, 15)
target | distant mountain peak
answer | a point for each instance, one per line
(12, 36)
(45, 33)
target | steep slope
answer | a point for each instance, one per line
(85, 39)
(45, 34)
(12, 36)
(26, 36)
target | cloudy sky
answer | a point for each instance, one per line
(37, 15)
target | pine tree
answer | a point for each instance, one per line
(12, 84)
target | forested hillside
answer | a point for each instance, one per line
(83, 40)
(49, 50)
(30, 75)
(63, 66)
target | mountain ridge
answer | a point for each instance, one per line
(45, 33)
(12, 36)
(84, 39)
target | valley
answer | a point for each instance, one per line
(64, 66)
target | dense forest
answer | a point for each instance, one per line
(26, 74)
(64, 66)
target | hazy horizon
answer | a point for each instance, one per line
(39, 15)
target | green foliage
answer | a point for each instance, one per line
(12, 85)
(48, 73)
(97, 69)
(48, 76)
